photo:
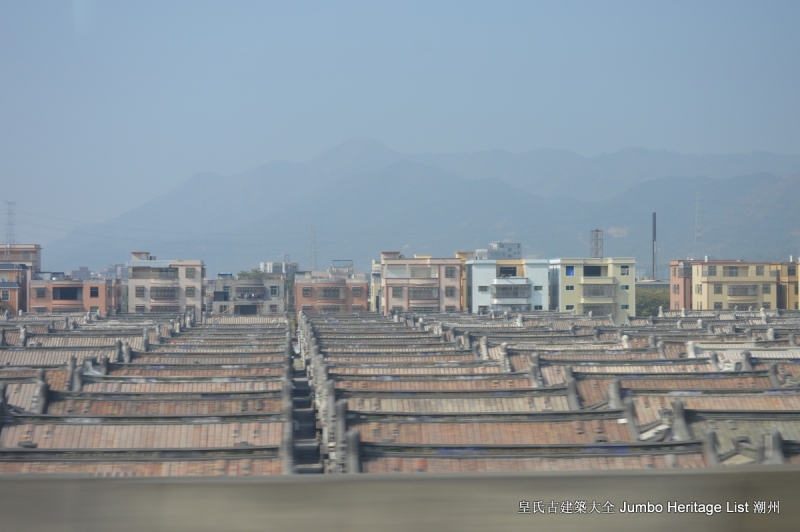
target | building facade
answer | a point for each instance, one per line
(420, 284)
(245, 297)
(102, 296)
(287, 269)
(14, 280)
(604, 287)
(507, 285)
(500, 251)
(329, 294)
(165, 286)
(28, 254)
(375, 287)
(732, 284)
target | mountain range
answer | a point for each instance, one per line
(362, 197)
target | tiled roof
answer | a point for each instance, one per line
(155, 468)
(463, 403)
(152, 406)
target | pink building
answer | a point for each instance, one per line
(420, 284)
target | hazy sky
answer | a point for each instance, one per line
(104, 105)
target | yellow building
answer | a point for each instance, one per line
(466, 302)
(734, 284)
(604, 287)
(787, 287)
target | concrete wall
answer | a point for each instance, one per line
(395, 502)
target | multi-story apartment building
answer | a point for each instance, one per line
(62, 294)
(601, 286)
(500, 251)
(165, 285)
(375, 287)
(732, 284)
(466, 295)
(324, 292)
(420, 284)
(28, 254)
(14, 280)
(245, 296)
(507, 285)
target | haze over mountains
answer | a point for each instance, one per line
(363, 197)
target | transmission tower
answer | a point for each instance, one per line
(596, 246)
(698, 230)
(11, 232)
(312, 251)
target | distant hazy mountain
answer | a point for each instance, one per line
(363, 197)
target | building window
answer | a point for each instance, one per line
(190, 309)
(450, 309)
(140, 291)
(718, 305)
(5, 295)
(766, 305)
(676, 289)
(420, 272)
(483, 289)
(397, 309)
(94, 291)
(796, 306)
(450, 291)
(698, 289)
(94, 309)
(717, 288)
(357, 308)
(712, 271)
(357, 291)
(140, 309)
(537, 288)
(569, 287)
(537, 307)
(624, 307)
(625, 287)
(624, 270)
(330, 292)
(507, 271)
(40, 293)
(306, 291)
(190, 291)
(742, 290)
(795, 290)
(759, 270)
(450, 272)
(190, 273)
(273, 291)
(765, 289)
(306, 308)
(570, 271)
(483, 309)
(792, 270)
(730, 271)
(273, 308)
(223, 309)
(570, 307)
(397, 292)
(592, 271)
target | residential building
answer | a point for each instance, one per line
(28, 254)
(82, 272)
(14, 280)
(732, 284)
(287, 269)
(63, 294)
(331, 291)
(466, 296)
(245, 297)
(165, 286)
(604, 287)
(500, 251)
(420, 284)
(114, 271)
(375, 287)
(507, 285)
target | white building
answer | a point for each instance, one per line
(507, 285)
(165, 286)
(500, 251)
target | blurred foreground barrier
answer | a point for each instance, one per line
(760, 498)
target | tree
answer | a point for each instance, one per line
(648, 301)
(257, 274)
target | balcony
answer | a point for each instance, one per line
(164, 293)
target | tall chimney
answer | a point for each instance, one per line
(655, 253)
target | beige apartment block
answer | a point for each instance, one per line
(420, 284)
(604, 287)
(101, 296)
(28, 254)
(165, 286)
(733, 284)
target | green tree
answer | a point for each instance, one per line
(257, 274)
(648, 301)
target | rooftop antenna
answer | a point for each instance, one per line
(698, 233)
(655, 253)
(312, 252)
(11, 233)
(596, 247)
